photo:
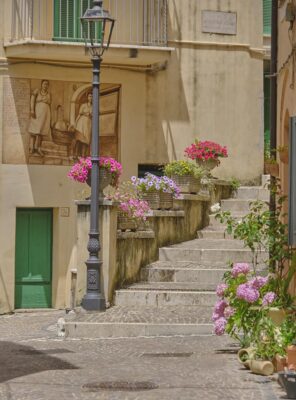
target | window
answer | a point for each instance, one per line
(267, 17)
(67, 15)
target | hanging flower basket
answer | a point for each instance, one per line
(105, 179)
(125, 222)
(187, 183)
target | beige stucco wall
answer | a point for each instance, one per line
(210, 91)
(205, 90)
(286, 101)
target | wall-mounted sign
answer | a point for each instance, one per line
(221, 22)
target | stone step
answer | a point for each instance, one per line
(208, 255)
(141, 321)
(252, 193)
(165, 297)
(209, 244)
(215, 224)
(207, 278)
(235, 205)
(213, 234)
(184, 265)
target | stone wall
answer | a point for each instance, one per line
(133, 250)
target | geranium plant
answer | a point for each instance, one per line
(206, 150)
(152, 182)
(183, 168)
(81, 170)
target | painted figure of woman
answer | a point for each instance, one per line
(39, 125)
(82, 127)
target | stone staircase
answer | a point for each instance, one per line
(177, 293)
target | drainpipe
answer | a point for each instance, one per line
(273, 88)
(273, 104)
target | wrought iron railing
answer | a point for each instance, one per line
(138, 22)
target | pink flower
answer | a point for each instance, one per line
(220, 307)
(268, 298)
(221, 289)
(247, 292)
(240, 268)
(258, 282)
(228, 312)
(219, 326)
(205, 150)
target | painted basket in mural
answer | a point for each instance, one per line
(62, 138)
(158, 200)
(187, 183)
(105, 179)
(124, 222)
(209, 164)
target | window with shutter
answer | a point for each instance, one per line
(67, 15)
(292, 182)
(267, 17)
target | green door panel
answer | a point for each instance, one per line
(33, 258)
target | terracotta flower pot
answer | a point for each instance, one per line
(284, 156)
(277, 315)
(261, 367)
(245, 355)
(291, 357)
(271, 169)
(280, 363)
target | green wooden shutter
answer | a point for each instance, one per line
(267, 17)
(66, 18)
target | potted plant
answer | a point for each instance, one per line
(206, 153)
(283, 154)
(132, 213)
(109, 172)
(159, 192)
(271, 167)
(186, 174)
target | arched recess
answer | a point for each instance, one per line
(109, 115)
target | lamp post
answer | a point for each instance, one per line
(97, 27)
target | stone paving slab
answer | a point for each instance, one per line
(35, 366)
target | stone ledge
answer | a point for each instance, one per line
(166, 213)
(102, 202)
(194, 197)
(136, 235)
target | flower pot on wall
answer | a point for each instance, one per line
(158, 200)
(284, 156)
(187, 183)
(271, 169)
(125, 222)
(209, 164)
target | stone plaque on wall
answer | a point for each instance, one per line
(224, 23)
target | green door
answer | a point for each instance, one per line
(33, 257)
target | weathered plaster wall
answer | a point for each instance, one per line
(210, 91)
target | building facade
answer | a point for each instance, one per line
(175, 71)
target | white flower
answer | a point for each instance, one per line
(215, 208)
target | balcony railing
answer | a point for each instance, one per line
(138, 22)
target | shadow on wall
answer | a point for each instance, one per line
(18, 360)
(166, 103)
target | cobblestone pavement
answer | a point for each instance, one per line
(36, 365)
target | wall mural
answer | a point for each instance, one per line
(50, 122)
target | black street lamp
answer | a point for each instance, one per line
(97, 27)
